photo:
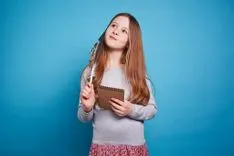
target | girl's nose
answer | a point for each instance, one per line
(115, 32)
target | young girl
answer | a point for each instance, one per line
(120, 64)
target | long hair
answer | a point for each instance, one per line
(132, 58)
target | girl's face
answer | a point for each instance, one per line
(117, 34)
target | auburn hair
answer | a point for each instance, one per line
(132, 58)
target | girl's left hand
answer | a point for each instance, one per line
(121, 108)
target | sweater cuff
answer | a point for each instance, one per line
(133, 113)
(86, 115)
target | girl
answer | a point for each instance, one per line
(120, 64)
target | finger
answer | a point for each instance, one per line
(85, 97)
(85, 94)
(92, 88)
(116, 106)
(117, 112)
(89, 85)
(87, 88)
(117, 101)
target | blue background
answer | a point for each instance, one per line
(189, 50)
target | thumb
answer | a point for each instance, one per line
(92, 88)
(89, 84)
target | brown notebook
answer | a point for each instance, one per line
(106, 93)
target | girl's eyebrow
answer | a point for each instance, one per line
(114, 22)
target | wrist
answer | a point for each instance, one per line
(87, 109)
(131, 108)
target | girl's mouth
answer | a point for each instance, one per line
(113, 37)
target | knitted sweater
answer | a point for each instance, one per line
(108, 128)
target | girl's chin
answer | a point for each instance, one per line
(114, 46)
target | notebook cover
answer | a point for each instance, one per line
(106, 93)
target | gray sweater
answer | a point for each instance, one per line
(109, 128)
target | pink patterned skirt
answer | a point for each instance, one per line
(118, 150)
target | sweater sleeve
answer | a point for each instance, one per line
(147, 112)
(81, 114)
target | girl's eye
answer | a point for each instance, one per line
(113, 25)
(124, 31)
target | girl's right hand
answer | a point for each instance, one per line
(88, 97)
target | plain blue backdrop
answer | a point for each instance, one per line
(189, 51)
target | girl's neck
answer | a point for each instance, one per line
(114, 57)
